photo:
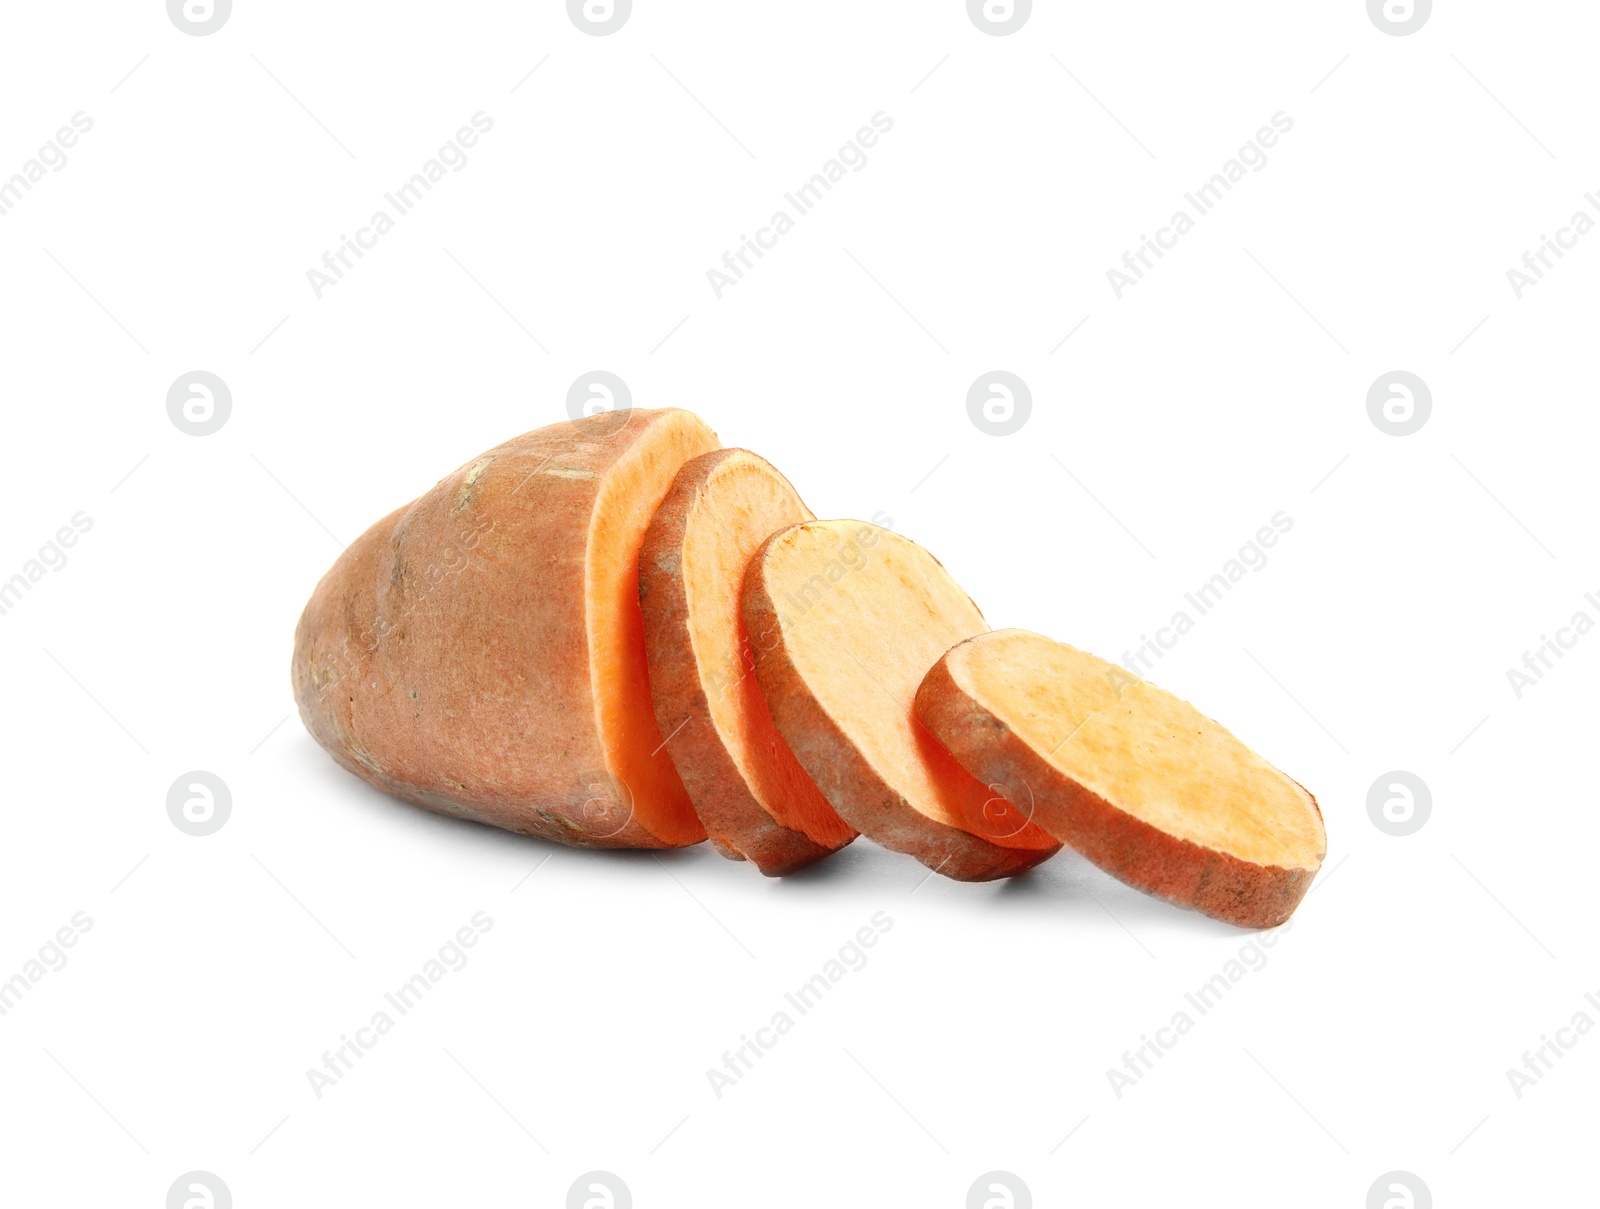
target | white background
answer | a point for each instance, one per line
(1228, 385)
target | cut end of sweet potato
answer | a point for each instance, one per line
(480, 652)
(625, 717)
(749, 790)
(1134, 778)
(845, 619)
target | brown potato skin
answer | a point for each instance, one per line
(739, 826)
(444, 658)
(846, 778)
(1186, 874)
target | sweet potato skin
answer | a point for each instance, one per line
(740, 827)
(1186, 874)
(445, 657)
(856, 791)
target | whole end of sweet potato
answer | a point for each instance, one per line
(480, 652)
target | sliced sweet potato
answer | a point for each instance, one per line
(481, 652)
(846, 618)
(1138, 781)
(746, 785)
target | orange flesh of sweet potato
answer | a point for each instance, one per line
(480, 652)
(1135, 779)
(845, 619)
(624, 713)
(747, 786)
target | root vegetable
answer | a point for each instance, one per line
(480, 652)
(747, 787)
(1138, 781)
(845, 619)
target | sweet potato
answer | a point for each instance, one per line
(845, 619)
(481, 652)
(746, 785)
(1138, 781)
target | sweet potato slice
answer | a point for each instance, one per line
(746, 785)
(481, 652)
(846, 618)
(1140, 782)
